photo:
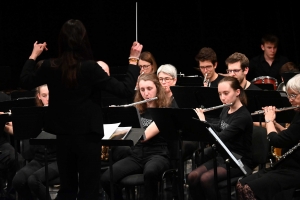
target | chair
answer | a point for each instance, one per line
(260, 153)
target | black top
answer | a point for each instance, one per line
(253, 87)
(72, 111)
(216, 81)
(235, 130)
(287, 139)
(258, 66)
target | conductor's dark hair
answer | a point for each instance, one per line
(73, 47)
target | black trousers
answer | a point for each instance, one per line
(79, 164)
(8, 165)
(29, 181)
(150, 161)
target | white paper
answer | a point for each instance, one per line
(109, 129)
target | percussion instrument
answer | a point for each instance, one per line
(266, 80)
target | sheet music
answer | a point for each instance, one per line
(109, 129)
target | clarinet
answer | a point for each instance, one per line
(281, 158)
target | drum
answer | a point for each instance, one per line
(266, 80)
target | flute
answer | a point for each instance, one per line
(216, 107)
(136, 103)
(277, 110)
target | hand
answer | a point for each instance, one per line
(270, 113)
(38, 49)
(136, 49)
(200, 113)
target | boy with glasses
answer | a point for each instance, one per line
(207, 60)
(238, 67)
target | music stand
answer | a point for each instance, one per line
(5, 106)
(128, 116)
(265, 86)
(189, 81)
(197, 97)
(287, 76)
(269, 98)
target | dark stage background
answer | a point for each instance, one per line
(173, 31)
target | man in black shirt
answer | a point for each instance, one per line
(207, 59)
(237, 66)
(268, 63)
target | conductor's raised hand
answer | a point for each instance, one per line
(135, 52)
(38, 48)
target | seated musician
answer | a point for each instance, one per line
(207, 60)
(286, 68)
(238, 67)
(235, 130)
(7, 158)
(279, 181)
(29, 181)
(150, 155)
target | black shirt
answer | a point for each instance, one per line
(258, 66)
(216, 81)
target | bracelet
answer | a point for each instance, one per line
(267, 121)
(133, 60)
(132, 57)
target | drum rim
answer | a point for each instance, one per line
(262, 77)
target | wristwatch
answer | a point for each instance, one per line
(267, 121)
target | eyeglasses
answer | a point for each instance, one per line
(206, 67)
(229, 71)
(144, 66)
(167, 79)
(291, 96)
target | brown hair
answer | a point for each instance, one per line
(162, 100)
(207, 54)
(238, 57)
(270, 38)
(147, 56)
(288, 67)
(234, 84)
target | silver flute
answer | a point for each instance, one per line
(277, 110)
(136, 103)
(216, 107)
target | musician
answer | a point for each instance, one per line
(286, 68)
(207, 60)
(167, 76)
(269, 62)
(147, 63)
(238, 67)
(72, 115)
(235, 130)
(29, 180)
(8, 165)
(150, 155)
(280, 181)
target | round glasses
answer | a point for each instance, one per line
(144, 66)
(166, 79)
(291, 96)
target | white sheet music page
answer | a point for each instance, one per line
(109, 129)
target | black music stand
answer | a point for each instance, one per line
(258, 99)
(287, 76)
(5, 106)
(189, 81)
(128, 116)
(197, 97)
